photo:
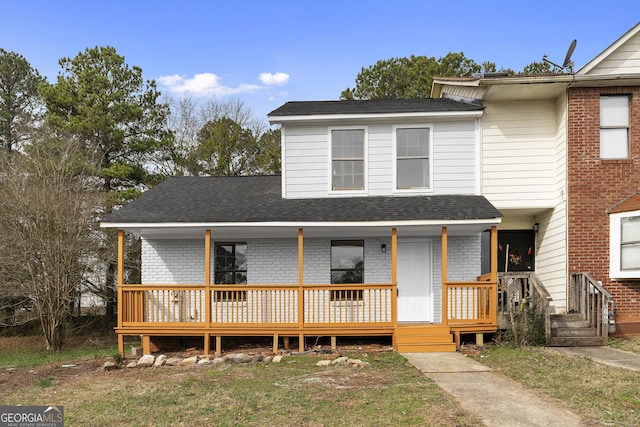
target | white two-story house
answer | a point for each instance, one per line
(376, 227)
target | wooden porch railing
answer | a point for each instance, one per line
(471, 303)
(265, 306)
(517, 290)
(588, 297)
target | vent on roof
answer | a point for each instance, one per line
(490, 75)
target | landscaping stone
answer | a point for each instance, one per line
(189, 361)
(160, 361)
(204, 361)
(238, 358)
(173, 361)
(110, 366)
(340, 360)
(277, 359)
(323, 363)
(146, 361)
(218, 361)
(358, 363)
(133, 364)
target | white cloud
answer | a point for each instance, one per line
(270, 79)
(201, 85)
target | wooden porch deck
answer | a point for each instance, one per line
(286, 311)
(301, 310)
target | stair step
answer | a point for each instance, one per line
(573, 332)
(424, 338)
(568, 321)
(575, 341)
(567, 317)
(427, 348)
(570, 324)
(422, 329)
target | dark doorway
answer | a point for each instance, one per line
(516, 251)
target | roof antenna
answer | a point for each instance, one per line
(568, 63)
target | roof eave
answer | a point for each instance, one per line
(378, 116)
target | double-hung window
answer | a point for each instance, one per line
(412, 158)
(614, 127)
(624, 239)
(347, 266)
(230, 269)
(347, 159)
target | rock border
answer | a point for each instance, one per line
(151, 361)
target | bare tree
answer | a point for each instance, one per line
(47, 210)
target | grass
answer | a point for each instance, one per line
(600, 394)
(296, 392)
(390, 392)
(31, 351)
(627, 343)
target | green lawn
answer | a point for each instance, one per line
(600, 394)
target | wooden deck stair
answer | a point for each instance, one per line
(571, 330)
(424, 338)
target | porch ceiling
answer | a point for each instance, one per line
(223, 231)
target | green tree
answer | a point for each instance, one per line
(121, 127)
(221, 138)
(538, 68)
(114, 112)
(20, 103)
(226, 148)
(407, 77)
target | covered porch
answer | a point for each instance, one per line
(298, 310)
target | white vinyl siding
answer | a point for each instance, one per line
(455, 158)
(624, 60)
(551, 256)
(519, 154)
(307, 162)
(614, 127)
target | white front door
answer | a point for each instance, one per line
(415, 299)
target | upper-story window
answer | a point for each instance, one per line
(413, 157)
(347, 159)
(614, 127)
(625, 245)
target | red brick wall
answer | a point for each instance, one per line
(594, 186)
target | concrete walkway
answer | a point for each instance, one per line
(494, 398)
(606, 355)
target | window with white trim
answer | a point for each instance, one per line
(347, 159)
(412, 158)
(614, 127)
(624, 238)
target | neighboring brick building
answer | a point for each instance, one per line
(603, 171)
(561, 156)
(598, 181)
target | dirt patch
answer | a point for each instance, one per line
(66, 373)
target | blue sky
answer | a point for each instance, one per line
(268, 52)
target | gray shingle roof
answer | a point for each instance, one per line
(377, 106)
(258, 199)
